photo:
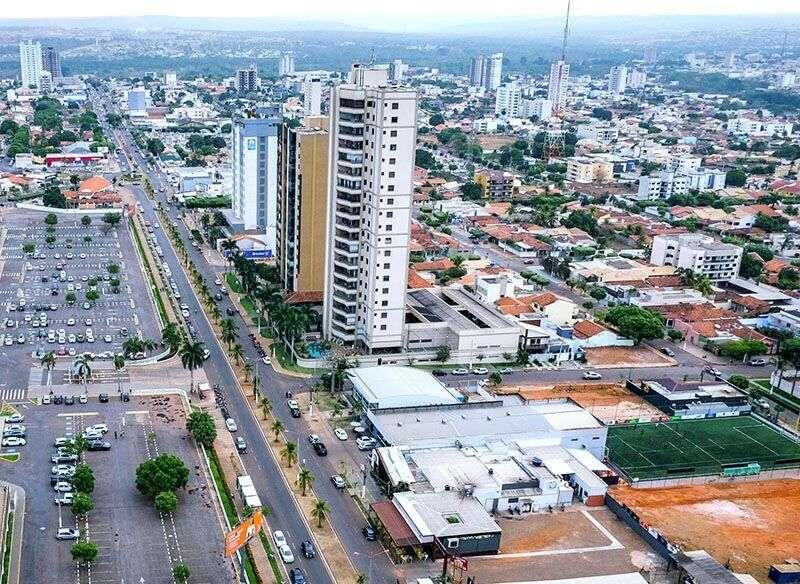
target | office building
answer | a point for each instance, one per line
(137, 101)
(373, 133)
(312, 96)
(618, 80)
(302, 205)
(541, 109)
(51, 62)
(247, 80)
(286, 64)
(700, 253)
(30, 63)
(476, 70)
(255, 173)
(557, 88)
(507, 100)
(493, 72)
(397, 70)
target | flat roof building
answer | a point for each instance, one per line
(390, 386)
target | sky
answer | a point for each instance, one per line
(391, 14)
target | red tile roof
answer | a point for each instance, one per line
(585, 329)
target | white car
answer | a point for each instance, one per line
(62, 487)
(185, 313)
(107, 338)
(63, 441)
(231, 425)
(68, 533)
(365, 443)
(89, 435)
(341, 433)
(70, 322)
(480, 371)
(102, 428)
(279, 538)
(592, 375)
(62, 469)
(286, 554)
(218, 282)
(13, 441)
(265, 360)
(64, 499)
(15, 419)
(460, 371)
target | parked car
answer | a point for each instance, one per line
(96, 445)
(64, 499)
(13, 441)
(480, 371)
(460, 371)
(365, 443)
(62, 487)
(103, 398)
(338, 481)
(313, 439)
(592, 375)
(758, 362)
(101, 428)
(667, 351)
(15, 419)
(439, 372)
(715, 372)
(506, 371)
(296, 576)
(320, 449)
(230, 424)
(64, 458)
(241, 445)
(340, 433)
(67, 533)
(369, 533)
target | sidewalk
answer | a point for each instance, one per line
(14, 502)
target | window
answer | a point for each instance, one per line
(390, 188)
(389, 214)
(393, 147)
(452, 543)
(391, 174)
(390, 201)
(395, 105)
(383, 327)
(387, 253)
(386, 278)
(392, 160)
(384, 314)
(386, 266)
(393, 133)
(384, 303)
(385, 290)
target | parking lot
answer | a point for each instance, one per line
(43, 293)
(135, 541)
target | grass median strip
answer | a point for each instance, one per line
(7, 550)
(162, 311)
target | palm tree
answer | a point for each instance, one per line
(277, 427)
(48, 361)
(228, 331)
(229, 245)
(119, 365)
(305, 478)
(172, 337)
(265, 406)
(289, 453)
(215, 313)
(83, 369)
(320, 511)
(248, 369)
(192, 356)
(132, 346)
(237, 353)
(361, 578)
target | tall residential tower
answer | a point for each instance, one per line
(371, 162)
(30, 63)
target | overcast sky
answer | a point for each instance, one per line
(389, 14)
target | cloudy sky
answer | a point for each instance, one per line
(391, 14)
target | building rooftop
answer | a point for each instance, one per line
(455, 307)
(389, 386)
(445, 514)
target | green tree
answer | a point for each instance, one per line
(582, 220)
(81, 504)
(51, 219)
(472, 190)
(289, 453)
(83, 479)
(736, 178)
(495, 378)
(70, 297)
(739, 381)
(181, 573)
(86, 221)
(636, 323)
(742, 348)
(172, 337)
(436, 119)
(305, 478)
(28, 248)
(92, 295)
(155, 146)
(192, 354)
(320, 511)
(424, 159)
(522, 357)
(84, 551)
(112, 219)
(751, 267)
(442, 353)
(201, 426)
(166, 502)
(166, 472)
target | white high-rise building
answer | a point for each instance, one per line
(30, 63)
(618, 80)
(557, 88)
(372, 145)
(255, 172)
(46, 82)
(137, 101)
(312, 96)
(540, 109)
(476, 70)
(697, 252)
(637, 79)
(507, 101)
(397, 70)
(171, 79)
(493, 72)
(286, 64)
(247, 80)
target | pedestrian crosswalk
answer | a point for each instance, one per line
(12, 395)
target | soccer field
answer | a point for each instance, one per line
(698, 447)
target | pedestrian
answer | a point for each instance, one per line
(115, 434)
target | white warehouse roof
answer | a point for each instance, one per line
(390, 386)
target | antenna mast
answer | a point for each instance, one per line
(554, 145)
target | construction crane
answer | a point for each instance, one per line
(554, 145)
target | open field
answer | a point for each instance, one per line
(608, 402)
(751, 525)
(683, 448)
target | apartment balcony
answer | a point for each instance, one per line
(347, 225)
(345, 262)
(340, 284)
(349, 199)
(342, 296)
(346, 274)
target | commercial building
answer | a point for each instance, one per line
(51, 62)
(247, 80)
(286, 64)
(397, 70)
(586, 170)
(699, 253)
(312, 96)
(692, 399)
(637, 79)
(557, 88)
(618, 80)
(303, 205)
(758, 127)
(30, 63)
(389, 386)
(507, 100)
(371, 162)
(255, 173)
(137, 101)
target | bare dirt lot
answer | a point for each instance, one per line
(607, 402)
(641, 356)
(749, 525)
(546, 531)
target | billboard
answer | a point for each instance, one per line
(237, 537)
(257, 254)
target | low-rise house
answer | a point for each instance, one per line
(588, 334)
(92, 193)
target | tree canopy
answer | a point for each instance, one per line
(167, 472)
(636, 323)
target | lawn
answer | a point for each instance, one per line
(233, 283)
(698, 447)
